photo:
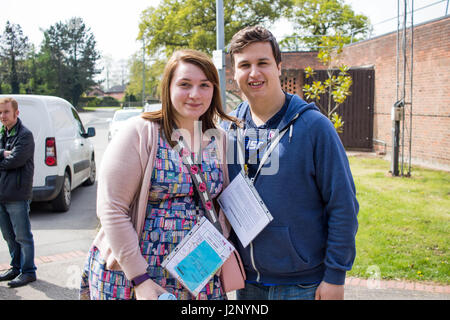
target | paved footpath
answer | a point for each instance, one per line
(59, 277)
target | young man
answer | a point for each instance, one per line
(305, 251)
(16, 182)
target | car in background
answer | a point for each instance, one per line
(150, 107)
(119, 118)
(64, 156)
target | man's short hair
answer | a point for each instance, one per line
(250, 35)
(13, 102)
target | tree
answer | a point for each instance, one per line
(153, 73)
(336, 87)
(68, 56)
(191, 24)
(315, 18)
(14, 50)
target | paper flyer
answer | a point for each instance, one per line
(244, 208)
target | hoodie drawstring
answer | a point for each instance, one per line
(290, 133)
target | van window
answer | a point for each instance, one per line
(78, 120)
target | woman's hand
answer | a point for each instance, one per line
(148, 290)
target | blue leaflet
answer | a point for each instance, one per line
(199, 265)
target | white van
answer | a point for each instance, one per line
(63, 156)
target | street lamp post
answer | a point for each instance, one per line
(219, 54)
(143, 72)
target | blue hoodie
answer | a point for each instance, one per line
(311, 198)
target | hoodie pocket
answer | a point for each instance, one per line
(275, 254)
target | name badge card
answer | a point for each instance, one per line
(244, 208)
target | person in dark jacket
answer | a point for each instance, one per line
(306, 184)
(16, 182)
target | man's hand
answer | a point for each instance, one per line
(328, 291)
(6, 153)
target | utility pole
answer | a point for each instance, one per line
(143, 72)
(399, 130)
(219, 54)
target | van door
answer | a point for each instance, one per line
(81, 167)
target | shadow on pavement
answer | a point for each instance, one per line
(55, 292)
(38, 290)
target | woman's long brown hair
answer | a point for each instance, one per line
(166, 116)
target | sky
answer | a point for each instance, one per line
(115, 24)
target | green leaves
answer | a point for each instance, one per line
(309, 72)
(315, 18)
(337, 122)
(176, 24)
(336, 86)
(14, 51)
(67, 59)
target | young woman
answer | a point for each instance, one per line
(146, 200)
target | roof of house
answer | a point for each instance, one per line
(116, 89)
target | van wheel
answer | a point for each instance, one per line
(62, 202)
(91, 180)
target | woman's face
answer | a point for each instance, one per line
(191, 92)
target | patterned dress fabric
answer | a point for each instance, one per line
(171, 214)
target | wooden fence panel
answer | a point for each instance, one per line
(356, 111)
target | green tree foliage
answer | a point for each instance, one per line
(14, 51)
(315, 18)
(67, 59)
(336, 86)
(153, 72)
(178, 24)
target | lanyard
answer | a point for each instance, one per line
(274, 143)
(241, 154)
(200, 184)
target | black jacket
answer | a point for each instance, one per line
(16, 170)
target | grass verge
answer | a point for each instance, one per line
(403, 222)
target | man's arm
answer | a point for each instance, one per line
(21, 152)
(335, 183)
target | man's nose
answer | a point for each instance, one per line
(254, 71)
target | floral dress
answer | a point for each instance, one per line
(171, 214)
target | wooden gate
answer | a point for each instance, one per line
(356, 111)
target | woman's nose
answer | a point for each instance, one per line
(194, 92)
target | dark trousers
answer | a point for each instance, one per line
(16, 230)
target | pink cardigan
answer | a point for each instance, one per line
(124, 180)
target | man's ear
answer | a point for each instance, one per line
(279, 69)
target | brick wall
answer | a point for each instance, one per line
(431, 87)
(431, 90)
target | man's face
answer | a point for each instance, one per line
(8, 116)
(256, 71)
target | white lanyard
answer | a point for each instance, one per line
(264, 158)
